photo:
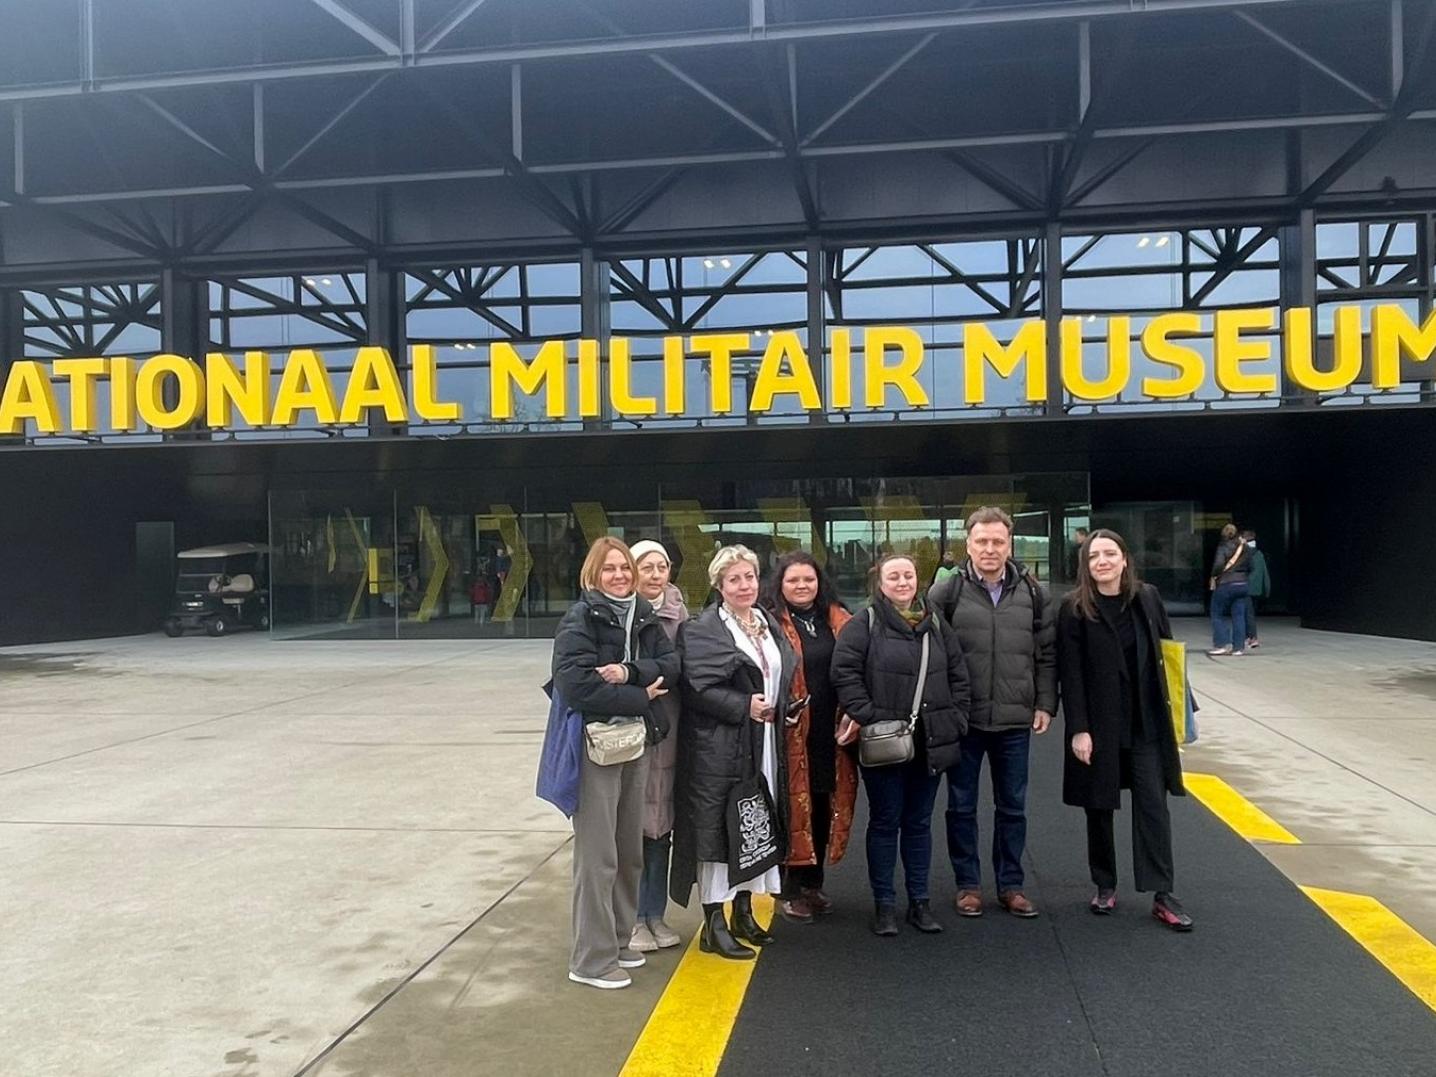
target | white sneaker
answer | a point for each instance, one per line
(631, 959)
(662, 934)
(609, 981)
(643, 939)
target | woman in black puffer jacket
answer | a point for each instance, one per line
(876, 671)
(611, 659)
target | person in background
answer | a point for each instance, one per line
(651, 932)
(611, 660)
(822, 777)
(480, 595)
(1228, 584)
(1258, 586)
(1005, 622)
(947, 567)
(1119, 727)
(1074, 550)
(877, 668)
(737, 676)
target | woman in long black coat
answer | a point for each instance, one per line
(876, 668)
(1119, 730)
(737, 676)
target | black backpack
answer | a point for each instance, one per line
(950, 609)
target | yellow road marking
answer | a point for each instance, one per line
(689, 1028)
(1407, 954)
(1237, 811)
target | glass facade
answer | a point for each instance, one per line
(502, 562)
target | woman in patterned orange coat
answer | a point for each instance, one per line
(822, 777)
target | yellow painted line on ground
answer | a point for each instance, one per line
(1407, 954)
(688, 1030)
(1237, 811)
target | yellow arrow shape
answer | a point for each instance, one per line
(505, 521)
(685, 520)
(788, 510)
(429, 533)
(592, 520)
(366, 572)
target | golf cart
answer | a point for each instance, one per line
(219, 588)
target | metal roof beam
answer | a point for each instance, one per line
(1308, 58)
(1066, 11)
(359, 26)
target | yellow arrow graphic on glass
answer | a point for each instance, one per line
(505, 521)
(904, 509)
(429, 534)
(792, 510)
(592, 520)
(366, 573)
(685, 520)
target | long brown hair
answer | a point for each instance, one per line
(1083, 597)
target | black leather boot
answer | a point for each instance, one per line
(919, 915)
(715, 938)
(745, 927)
(885, 920)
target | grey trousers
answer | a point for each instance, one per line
(607, 862)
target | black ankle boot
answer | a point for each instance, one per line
(745, 927)
(885, 920)
(919, 915)
(715, 938)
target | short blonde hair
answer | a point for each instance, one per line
(597, 555)
(726, 558)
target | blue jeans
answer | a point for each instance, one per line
(900, 800)
(653, 884)
(1229, 615)
(1250, 606)
(1006, 750)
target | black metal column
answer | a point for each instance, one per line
(1298, 289)
(1052, 315)
(184, 330)
(12, 340)
(596, 323)
(384, 325)
(817, 324)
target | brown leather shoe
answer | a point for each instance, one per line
(797, 910)
(969, 903)
(1015, 902)
(818, 901)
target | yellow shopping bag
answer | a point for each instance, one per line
(1179, 696)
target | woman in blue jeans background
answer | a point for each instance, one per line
(1229, 593)
(876, 667)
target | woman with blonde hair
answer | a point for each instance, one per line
(611, 661)
(737, 673)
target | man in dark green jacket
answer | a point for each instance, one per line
(1258, 586)
(1006, 623)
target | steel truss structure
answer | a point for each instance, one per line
(160, 160)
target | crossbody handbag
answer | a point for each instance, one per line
(611, 743)
(885, 744)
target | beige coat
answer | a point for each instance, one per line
(663, 757)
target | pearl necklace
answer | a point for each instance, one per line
(755, 629)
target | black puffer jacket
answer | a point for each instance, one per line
(1011, 653)
(1241, 567)
(713, 739)
(591, 635)
(875, 674)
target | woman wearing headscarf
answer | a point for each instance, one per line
(822, 775)
(737, 675)
(879, 674)
(611, 660)
(651, 932)
(1119, 729)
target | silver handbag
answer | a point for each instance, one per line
(885, 744)
(609, 744)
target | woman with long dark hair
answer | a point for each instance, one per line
(1114, 695)
(822, 776)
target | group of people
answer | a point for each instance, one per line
(1238, 578)
(776, 678)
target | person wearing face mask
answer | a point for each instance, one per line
(652, 932)
(611, 661)
(822, 777)
(737, 677)
(1114, 696)
(877, 671)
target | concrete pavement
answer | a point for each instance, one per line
(241, 857)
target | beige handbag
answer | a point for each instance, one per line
(609, 744)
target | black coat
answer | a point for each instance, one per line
(591, 635)
(1093, 673)
(875, 674)
(718, 743)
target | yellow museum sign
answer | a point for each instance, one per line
(882, 368)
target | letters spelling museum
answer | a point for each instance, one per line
(169, 392)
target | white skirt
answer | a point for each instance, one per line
(713, 886)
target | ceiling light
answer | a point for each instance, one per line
(1091, 317)
(326, 282)
(309, 281)
(1144, 241)
(708, 263)
(725, 263)
(1162, 241)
